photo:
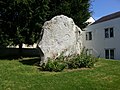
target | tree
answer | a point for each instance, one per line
(21, 21)
(78, 10)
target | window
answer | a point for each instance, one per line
(89, 51)
(109, 53)
(89, 36)
(109, 33)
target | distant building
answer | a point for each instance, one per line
(102, 38)
(24, 46)
(90, 20)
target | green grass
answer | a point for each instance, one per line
(15, 75)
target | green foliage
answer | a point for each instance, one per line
(49, 66)
(53, 66)
(80, 61)
(21, 20)
(58, 66)
(71, 62)
(78, 10)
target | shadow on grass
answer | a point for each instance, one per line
(30, 61)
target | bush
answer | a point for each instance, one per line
(71, 62)
(53, 66)
(87, 61)
(58, 66)
(80, 61)
(48, 66)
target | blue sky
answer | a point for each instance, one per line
(104, 7)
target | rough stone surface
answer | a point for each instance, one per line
(60, 36)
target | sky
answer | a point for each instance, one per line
(102, 8)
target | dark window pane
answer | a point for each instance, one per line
(112, 54)
(111, 32)
(107, 54)
(106, 33)
(90, 35)
(86, 36)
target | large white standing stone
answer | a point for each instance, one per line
(60, 35)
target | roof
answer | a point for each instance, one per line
(108, 17)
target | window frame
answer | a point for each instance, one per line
(110, 55)
(89, 35)
(109, 32)
(89, 51)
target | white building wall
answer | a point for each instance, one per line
(99, 43)
(24, 46)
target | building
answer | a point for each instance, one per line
(90, 20)
(102, 38)
(24, 46)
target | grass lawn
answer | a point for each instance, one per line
(15, 75)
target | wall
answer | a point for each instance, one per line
(24, 46)
(99, 43)
(14, 52)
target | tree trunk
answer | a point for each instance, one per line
(20, 50)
